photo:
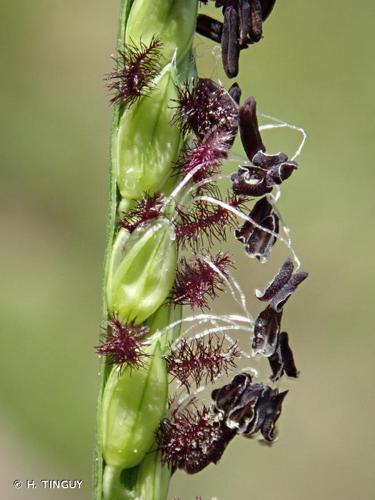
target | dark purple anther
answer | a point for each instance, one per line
(230, 49)
(210, 28)
(267, 6)
(282, 360)
(244, 22)
(268, 412)
(249, 128)
(262, 174)
(250, 181)
(235, 92)
(267, 337)
(266, 332)
(277, 166)
(256, 21)
(281, 287)
(227, 396)
(242, 26)
(249, 408)
(278, 301)
(264, 171)
(277, 282)
(258, 242)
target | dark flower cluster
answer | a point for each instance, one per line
(242, 26)
(208, 111)
(263, 171)
(192, 438)
(257, 178)
(136, 67)
(215, 116)
(210, 119)
(200, 360)
(123, 344)
(268, 339)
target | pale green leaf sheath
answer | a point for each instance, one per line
(141, 264)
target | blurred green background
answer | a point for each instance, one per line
(314, 68)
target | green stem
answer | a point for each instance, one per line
(149, 480)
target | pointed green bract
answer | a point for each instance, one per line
(147, 145)
(153, 478)
(142, 271)
(134, 403)
(174, 22)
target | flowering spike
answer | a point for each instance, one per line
(145, 210)
(123, 343)
(200, 361)
(197, 281)
(192, 438)
(205, 220)
(137, 66)
(205, 108)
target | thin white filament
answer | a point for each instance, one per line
(230, 318)
(286, 230)
(183, 182)
(218, 329)
(202, 322)
(233, 286)
(281, 124)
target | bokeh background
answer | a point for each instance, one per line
(315, 68)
